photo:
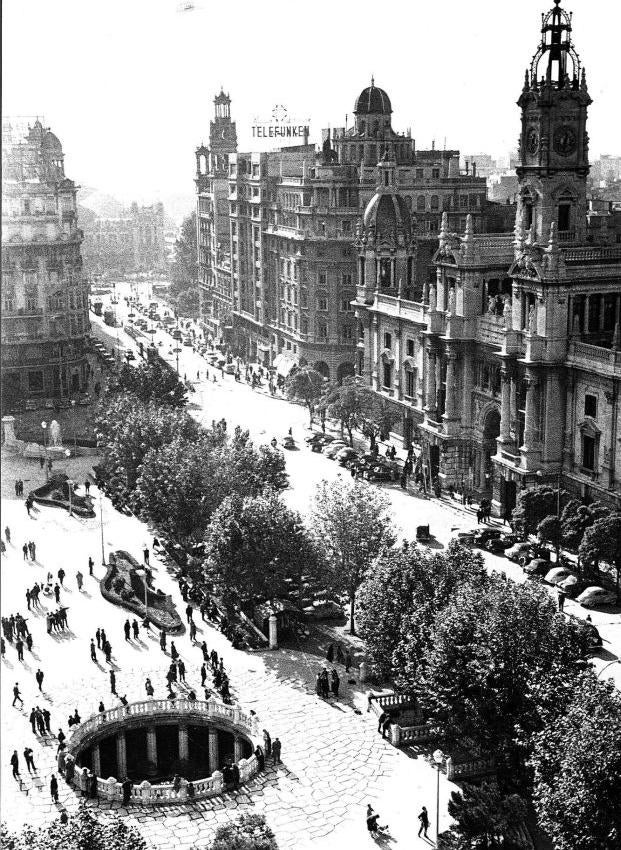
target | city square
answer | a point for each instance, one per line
(311, 497)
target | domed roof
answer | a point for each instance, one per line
(51, 142)
(372, 101)
(389, 215)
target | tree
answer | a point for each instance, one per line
(486, 819)
(149, 382)
(402, 594)
(602, 542)
(188, 302)
(82, 832)
(534, 505)
(184, 269)
(348, 402)
(126, 431)
(549, 531)
(378, 416)
(248, 832)
(488, 649)
(351, 522)
(576, 518)
(253, 545)
(305, 385)
(577, 770)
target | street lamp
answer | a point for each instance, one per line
(103, 554)
(44, 427)
(438, 757)
(75, 444)
(145, 570)
(70, 484)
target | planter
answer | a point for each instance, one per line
(55, 493)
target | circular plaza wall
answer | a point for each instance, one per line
(151, 742)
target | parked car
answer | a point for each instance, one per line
(345, 454)
(594, 596)
(499, 545)
(129, 354)
(518, 550)
(334, 448)
(188, 341)
(287, 441)
(379, 472)
(230, 368)
(466, 538)
(574, 586)
(318, 438)
(482, 535)
(557, 575)
(176, 334)
(537, 567)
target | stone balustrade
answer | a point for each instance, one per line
(404, 736)
(207, 709)
(467, 769)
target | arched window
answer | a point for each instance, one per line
(420, 203)
(435, 203)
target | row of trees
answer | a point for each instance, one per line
(492, 662)
(353, 404)
(158, 460)
(593, 531)
(184, 269)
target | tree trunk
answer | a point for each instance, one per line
(352, 603)
(351, 436)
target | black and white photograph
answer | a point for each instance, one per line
(310, 530)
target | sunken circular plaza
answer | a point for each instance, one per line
(153, 742)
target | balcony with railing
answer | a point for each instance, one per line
(491, 329)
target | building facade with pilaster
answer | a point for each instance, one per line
(509, 362)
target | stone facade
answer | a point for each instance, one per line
(287, 268)
(509, 361)
(45, 324)
(132, 242)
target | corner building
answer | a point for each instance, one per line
(286, 269)
(45, 324)
(509, 363)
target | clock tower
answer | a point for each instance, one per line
(554, 144)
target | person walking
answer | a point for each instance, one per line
(424, 822)
(87, 487)
(54, 788)
(19, 646)
(127, 629)
(189, 612)
(39, 678)
(145, 555)
(205, 651)
(29, 759)
(98, 638)
(135, 629)
(57, 593)
(79, 579)
(15, 765)
(267, 743)
(61, 576)
(163, 640)
(276, 748)
(33, 550)
(334, 684)
(28, 598)
(192, 630)
(91, 564)
(113, 682)
(46, 720)
(173, 651)
(29, 642)
(7, 534)
(203, 675)
(93, 651)
(561, 599)
(25, 551)
(330, 653)
(148, 687)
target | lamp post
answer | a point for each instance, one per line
(44, 428)
(146, 590)
(70, 483)
(75, 444)
(438, 757)
(103, 554)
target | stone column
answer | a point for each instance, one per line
(398, 365)
(184, 751)
(482, 471)
(121, 757)
(214, 750)
(451, 386)
(513, 408)
(96, 762)
(530, 414)
(152, 745)
(466, 389)
(238, 749)
(273, 627)
(375, 352)
(505, 410)
(430, 387)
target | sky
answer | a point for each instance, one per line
(128, 85)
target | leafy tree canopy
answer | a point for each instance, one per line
(348, 402)
(576, 518)
(602, 542)
(149, 382)
(188, 302)
(534, 505)
(305, 385)
(352, 524)
(184, 270)
(248, 832)
(487, 819)
(577, 768)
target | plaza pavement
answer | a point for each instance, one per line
(334, 762)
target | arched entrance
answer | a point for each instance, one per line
(345, 370)
(322, 368)
(491, 431)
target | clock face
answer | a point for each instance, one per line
(565, 141)
(532, 141)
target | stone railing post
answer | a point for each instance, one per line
(395, 734)
(111, 789)
(218, 781)
(273, 629)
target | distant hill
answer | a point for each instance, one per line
(103, 205)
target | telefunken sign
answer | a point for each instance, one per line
(280, 126)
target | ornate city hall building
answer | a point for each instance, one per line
(508, 364)
(45, 324)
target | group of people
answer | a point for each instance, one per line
(484, 511)
(103, 644)
(19, 487)
(326, 684)
(56, 621)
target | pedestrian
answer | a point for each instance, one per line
(127, 791)
(145, 554)
(101, 708)
(93, 651)
(192, 630)
(112, 682)
(39, 678)
(2, 647)
(135, 629)
(330, 653)
(29, 759)
(340, 658)
(28, 598)
(260, 757)
(181, 669)
(29, 642)
(91, 564)
(347, 661)
(108, 652)
(380, 720)
(57, 593)
(127, 629)
(424, 822)
(204, 651)
(276, 747)
(33, 550)
(203, 675)
(386, 727)
(334, 684)
(148, 688)
(54, 788)
(61, 737)
(15, 765)
(79, 579)
(87, 487)
(7, 534)
(189, 612)
(173, 651)
(46, 720)
(19, 646)
(32, 717)
(163, 640)
(561, 599)
(267, 743)
(25, 551)
(98, 638)
(61, 575)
